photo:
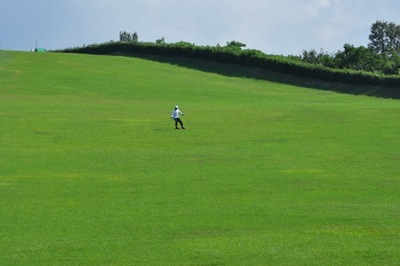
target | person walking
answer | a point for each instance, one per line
(175, 115)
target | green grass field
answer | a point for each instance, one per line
(93, 173)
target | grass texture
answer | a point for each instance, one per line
(92, 171)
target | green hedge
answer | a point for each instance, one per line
(234, 55)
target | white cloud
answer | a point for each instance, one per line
(316, 6)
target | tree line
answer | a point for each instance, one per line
(373, 65)
(382, 55)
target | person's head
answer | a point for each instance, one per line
(176, 107)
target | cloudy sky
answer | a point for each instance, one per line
(272, 26)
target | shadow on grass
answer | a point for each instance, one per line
(233, 70)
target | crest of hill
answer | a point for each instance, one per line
(254, 64)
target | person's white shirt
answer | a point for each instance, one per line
(176, 113)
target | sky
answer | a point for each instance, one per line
(282, 27)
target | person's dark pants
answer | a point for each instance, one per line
(178, 120)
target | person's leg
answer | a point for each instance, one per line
(176, 123)
(180, 122)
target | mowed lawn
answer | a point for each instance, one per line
(92, 171)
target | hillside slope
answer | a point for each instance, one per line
(92, 171)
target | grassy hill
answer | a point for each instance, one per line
(93, 173)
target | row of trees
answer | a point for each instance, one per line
(125, 36)
(233, 53)
(361, 65)
(382, 55)
(128, 37)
